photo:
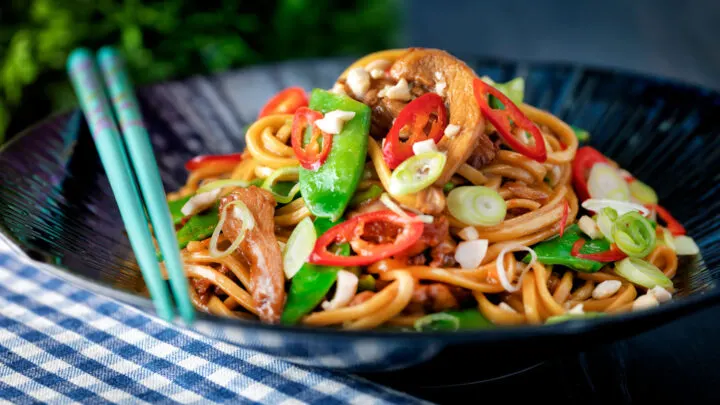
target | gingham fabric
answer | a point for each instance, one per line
(62, 344)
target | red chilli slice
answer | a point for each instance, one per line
(310, 155)
(352, 230)
(416, 115)
(501, 120)
(611, 255)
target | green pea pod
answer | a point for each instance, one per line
(328, 190)
(175, 207)
(312, 282)
(373, 192)
(558, 251)
(453, 320)
(198, 227)
(514, 90)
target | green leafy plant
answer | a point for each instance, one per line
(171, 39)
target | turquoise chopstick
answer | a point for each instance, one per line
(94, 103)
(143, 161)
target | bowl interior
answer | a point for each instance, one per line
(56, 203)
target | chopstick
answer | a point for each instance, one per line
(142, 158)
(110, 147)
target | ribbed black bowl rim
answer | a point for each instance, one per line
(654, 317)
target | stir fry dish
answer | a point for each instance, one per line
(415, 194)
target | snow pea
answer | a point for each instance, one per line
(198, 227)
(328, 190)
(175, 206)
(311, 283)
(558, 251)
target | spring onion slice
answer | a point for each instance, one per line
(425, 323)
(298, 247)
(571, 317)
(476, 205)
(417, 173)
(605, 182)
(621, 207)
(502, 271)
(643, 193)
(513, 89)
(634, 234)
(287, 173)
(605, 220)
(642, 273)
(243, 213)
(221, 184)
(686, 246)
(669, 239)
(392, 206)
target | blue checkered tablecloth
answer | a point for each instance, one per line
(62, 344)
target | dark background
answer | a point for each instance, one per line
(172, 39)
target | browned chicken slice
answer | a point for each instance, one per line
(260, 250)
(521, 190)
(427, 68)
(434, 297)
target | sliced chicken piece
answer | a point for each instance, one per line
(430, 67)
(434, 297)
(260, 250)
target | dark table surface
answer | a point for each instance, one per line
(677, 363)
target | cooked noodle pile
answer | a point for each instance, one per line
(504, 288)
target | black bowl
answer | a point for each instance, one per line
(56, 205)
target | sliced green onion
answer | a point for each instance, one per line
(372, 192)
(438, 321)
(605, 221)
(685, 245)
(570, 317)
(476, 205)
(417, 173)
(643, 193)
(514, 90)
(642, 273)
(288, 173)
(634, 235)
(668, 239)
(243, 213)
(298, 247)
(222, 184)
(392, 206)
(605, 182)
(621, 207)
(581, 134)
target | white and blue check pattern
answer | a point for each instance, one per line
(62, 344)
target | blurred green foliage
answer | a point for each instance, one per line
(171, 39)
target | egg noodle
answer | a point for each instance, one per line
(540, 200)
